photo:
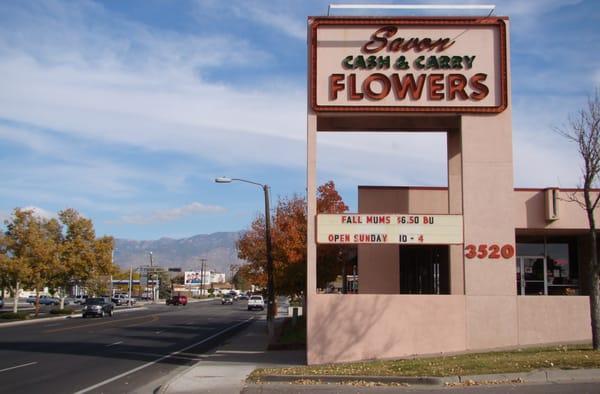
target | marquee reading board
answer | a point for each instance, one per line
(389, 229)
(408, 64)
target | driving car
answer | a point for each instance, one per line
(121, 299)
(256, 302)
(227, 299)
(1, 302)
(177, 300)
(97, 306)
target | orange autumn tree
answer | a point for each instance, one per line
(288, 233)
(329, 257)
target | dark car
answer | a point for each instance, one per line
(227, 300)
(177, 300)
(97, 306)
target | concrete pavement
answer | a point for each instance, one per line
(224, 370)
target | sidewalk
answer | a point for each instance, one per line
(225, 369)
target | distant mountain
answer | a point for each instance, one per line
(218, 249)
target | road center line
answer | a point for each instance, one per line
(18, 366)
(99, 324)
(100, 384)
(113, 344)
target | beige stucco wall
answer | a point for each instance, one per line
(361, 327)
(378, 264)
(529, 208)
(553, 319)
(402, 200)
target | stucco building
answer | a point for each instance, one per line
(473, 265)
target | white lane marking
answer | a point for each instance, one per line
(18, 366)
(239, 352)
(52, 325)
(113, 344)
(102, 383)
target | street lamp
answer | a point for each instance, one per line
(270, 286)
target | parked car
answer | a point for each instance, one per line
(227, 299)
(177, 300)
(44, 300)
(97, 306)
(80, 299)
(256, 302)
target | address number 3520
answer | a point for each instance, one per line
(493, 251)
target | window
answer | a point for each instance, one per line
(547, 266)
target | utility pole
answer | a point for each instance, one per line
(270, 281)
(150, 276)
(130, 285)
(202, 262)
(112, 262)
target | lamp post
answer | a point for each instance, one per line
(270, 285)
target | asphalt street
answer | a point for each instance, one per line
(133, 351)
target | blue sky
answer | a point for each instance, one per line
(127, 110)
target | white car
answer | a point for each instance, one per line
(122, 299)
(256, 302)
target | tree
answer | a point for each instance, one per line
(31, 251)
(584, 130)
(288, 234)
(288, 243)
(12, 272)
(84, 259)
(241, 278)
(330, 258)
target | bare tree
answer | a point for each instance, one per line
(583, 128)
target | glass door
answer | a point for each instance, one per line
(531, 277)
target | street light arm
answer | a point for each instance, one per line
(247, 181)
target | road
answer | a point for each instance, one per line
(134, 351)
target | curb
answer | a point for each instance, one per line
(539, 376)
(424, 380)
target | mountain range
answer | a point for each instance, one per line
(217, 248)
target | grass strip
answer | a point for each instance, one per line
(293, 333)
(521, 360)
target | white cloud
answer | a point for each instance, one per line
(532, 8)
(126, 84)
(171, 214)
(293, 26)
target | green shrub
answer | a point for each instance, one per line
(14, 316)
(65, 311)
